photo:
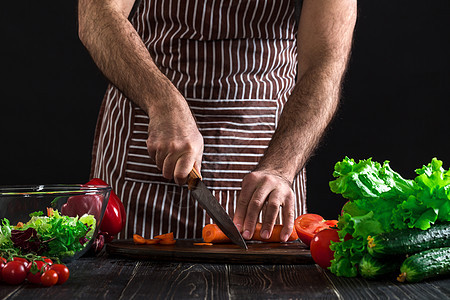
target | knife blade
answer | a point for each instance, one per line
(208, 202)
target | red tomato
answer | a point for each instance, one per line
(47, 260)
(49, 278)
(36, 265)
(115, 217)
(307, 225)
(14, 272)
(62, 271)
(25, 261)
(320, 247)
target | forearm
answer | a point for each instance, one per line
(324, 43)
(305, 117)
(121, 55)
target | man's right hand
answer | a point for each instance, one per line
(175, 143)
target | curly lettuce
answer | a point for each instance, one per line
(381, 200)
(54, 236)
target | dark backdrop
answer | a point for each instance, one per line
(394, 106)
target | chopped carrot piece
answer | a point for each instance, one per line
(19, 225)
(137, 239)
(165, 236)
(152, 241)
(203, 244)
(212, 233)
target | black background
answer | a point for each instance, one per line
(394, 105)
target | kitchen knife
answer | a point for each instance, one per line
(208, 202)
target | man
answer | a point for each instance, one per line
(214, 85)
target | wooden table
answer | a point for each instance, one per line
(107, 277)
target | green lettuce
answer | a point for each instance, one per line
(59, 236)
(381, 200)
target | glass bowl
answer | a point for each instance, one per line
(57, 221)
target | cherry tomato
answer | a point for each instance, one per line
(25, 261)
(62, 271)
(47, 260)
(307, 225)
(14, 272)
(35, 271)
(49, 278)
(320, 247)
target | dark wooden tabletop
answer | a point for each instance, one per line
(107, 277)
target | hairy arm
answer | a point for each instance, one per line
(174, 141)
(324, 43)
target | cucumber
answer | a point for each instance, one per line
(370, 267)
(425, 264)
(409, 241)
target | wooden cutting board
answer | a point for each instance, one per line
(185, 251)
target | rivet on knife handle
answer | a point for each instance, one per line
(193, 178)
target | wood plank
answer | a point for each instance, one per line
(160, 280)
(389, 288)
(185, 251)
(279, 282)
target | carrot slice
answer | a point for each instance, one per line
(211, 233)
(152, 241)
(137, 239)
(203, 244)
(165, 236)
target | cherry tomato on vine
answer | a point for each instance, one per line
(25, 261)
(47, 260)
(62, 271)
(35, 271)
(14, 272)
(49, 278)
(320, 247)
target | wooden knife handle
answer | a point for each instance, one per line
(194, 176)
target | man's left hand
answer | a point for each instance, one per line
(264, 191)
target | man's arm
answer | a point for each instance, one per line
(324, 42)
(174, 140)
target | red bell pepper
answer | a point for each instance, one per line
(115, 217)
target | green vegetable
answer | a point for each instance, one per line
(55, 236)
(380, 201)
(408, 241)
(425, 264)
(370, 267)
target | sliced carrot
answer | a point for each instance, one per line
(167, 242)
(203, 244)
(19, 225)
(212, 234)
(152, 241)
(137, 239)
(165, 236)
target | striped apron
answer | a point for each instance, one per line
(235, 63)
